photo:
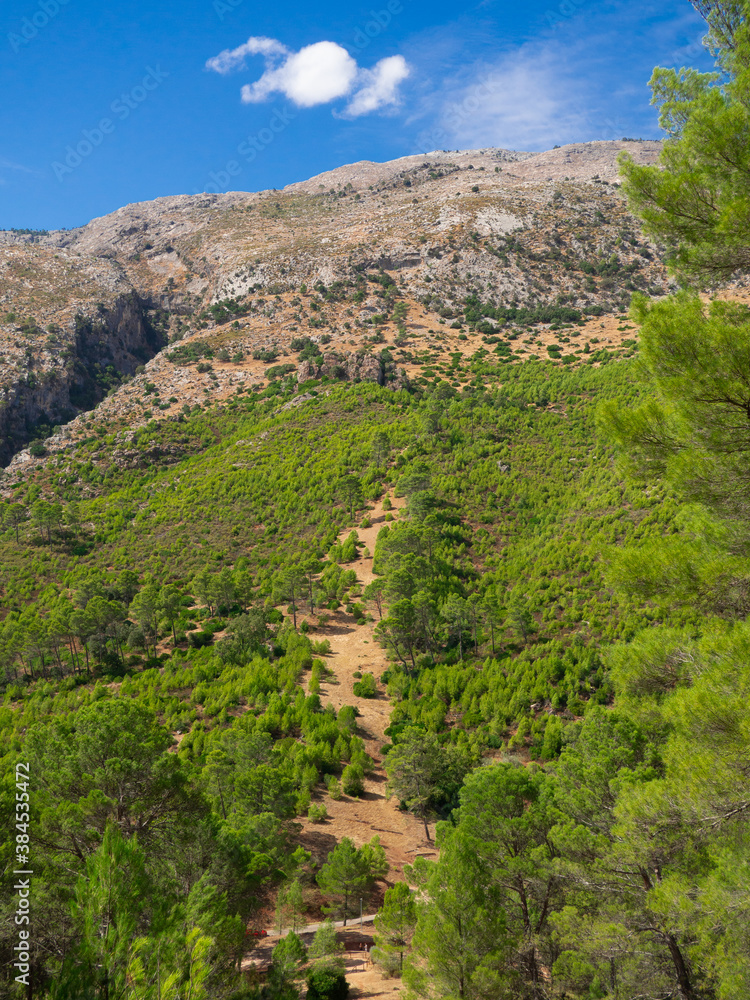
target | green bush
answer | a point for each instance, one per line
(327, 983)
(199, 639)
(352, 780)
(317, 813)
(348, 717)
(334, 787)
(277, 371)
(366, 688)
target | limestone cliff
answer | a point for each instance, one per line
(76, 369)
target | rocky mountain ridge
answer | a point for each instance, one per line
(367, 254)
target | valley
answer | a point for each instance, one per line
(375, 545)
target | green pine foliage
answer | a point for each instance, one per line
(132, 596)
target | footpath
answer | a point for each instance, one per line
(355, 650)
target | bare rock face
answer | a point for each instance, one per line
(360, 367)
(307, 370)
(72, 372)
(364, 368)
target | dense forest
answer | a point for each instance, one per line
(560, 585)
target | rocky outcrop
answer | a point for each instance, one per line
(359, 367)
(88, 360)
(122, 336)
(132, 458)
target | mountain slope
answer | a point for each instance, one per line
(512, 230)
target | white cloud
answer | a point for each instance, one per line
(381, 86)
(526, 100)
(318, 74)
(12, 165)
(6, 164)
(584, 80)
(231, 59)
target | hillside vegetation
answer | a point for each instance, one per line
(192, 581)
(335, 608)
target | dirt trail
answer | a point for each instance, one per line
(365, 979)
(354, 649)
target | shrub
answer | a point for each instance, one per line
(389, 961)
(267, 354)
(199, 639)
(366, 688)
(352, 780)
(278, 371)
(334, 787)
(348, 717)
(359, 612)
(302, 804)
(318, 671)
(327, 983)
(317, 813)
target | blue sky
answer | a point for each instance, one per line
(106, 104)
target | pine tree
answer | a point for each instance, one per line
(326, 947)
(461, 946)
(350, 491)
(146, 610)
(14, 515)
(290, 906)
(695, 200)
(170, 606)
(288, 957)
(394, 928)
(108, 902)
(420, 771)
(346, 875)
